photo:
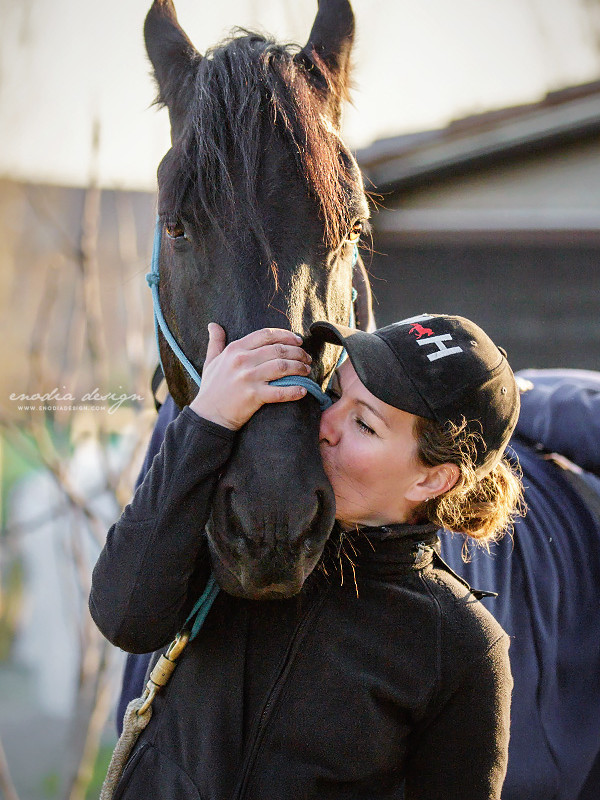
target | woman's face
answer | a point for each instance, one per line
(370, 454)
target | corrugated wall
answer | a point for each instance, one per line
(542, 303)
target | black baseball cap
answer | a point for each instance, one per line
(440, 367)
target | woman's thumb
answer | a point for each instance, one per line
(216, 342)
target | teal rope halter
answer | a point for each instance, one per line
(153, 280)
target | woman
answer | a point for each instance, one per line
(383, 674)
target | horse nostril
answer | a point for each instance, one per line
(312, 538)
(238, 541)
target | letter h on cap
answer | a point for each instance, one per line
(442, 351)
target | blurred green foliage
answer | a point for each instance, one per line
(51, 785)
(12, 585)
(100, 769)
(14, 465)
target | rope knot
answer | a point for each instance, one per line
(152, 279)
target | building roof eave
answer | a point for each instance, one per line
(390, 166)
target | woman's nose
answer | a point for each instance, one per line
(329, 429)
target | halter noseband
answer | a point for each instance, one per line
(153, 280)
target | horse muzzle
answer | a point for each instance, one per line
(261, 556)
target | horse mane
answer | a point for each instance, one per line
(236, 83)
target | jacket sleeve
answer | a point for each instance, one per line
(155, 554)
(167, 413)
(461, 752)
(562, 413)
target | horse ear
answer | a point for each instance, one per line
(173, 57)
(329, 44)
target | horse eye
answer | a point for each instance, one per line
(356, 232)
(175, 231)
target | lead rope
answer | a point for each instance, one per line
(139, 711)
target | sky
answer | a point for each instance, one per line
(68, 64)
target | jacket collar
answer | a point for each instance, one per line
(388, 550)
(422, 531)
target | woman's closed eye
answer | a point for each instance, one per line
(335, 394)
(364, 428)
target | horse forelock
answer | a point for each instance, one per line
(216, 158)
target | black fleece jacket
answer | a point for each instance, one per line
(379, 673)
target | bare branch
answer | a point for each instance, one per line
(7, 787)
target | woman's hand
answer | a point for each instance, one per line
(235, 379)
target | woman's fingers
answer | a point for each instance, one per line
(275, 352)
(281, 394)
(257, 347)
(267, 336)
(275, 368)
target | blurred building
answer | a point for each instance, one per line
(497, 217)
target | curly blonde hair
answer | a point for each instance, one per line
(483, 508)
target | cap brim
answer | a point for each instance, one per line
(377, 366)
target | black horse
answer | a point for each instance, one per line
(261, 205)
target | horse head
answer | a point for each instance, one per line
(260, 204)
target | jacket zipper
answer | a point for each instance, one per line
(422, 547)
(273, 696)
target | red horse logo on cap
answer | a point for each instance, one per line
(420, 330)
